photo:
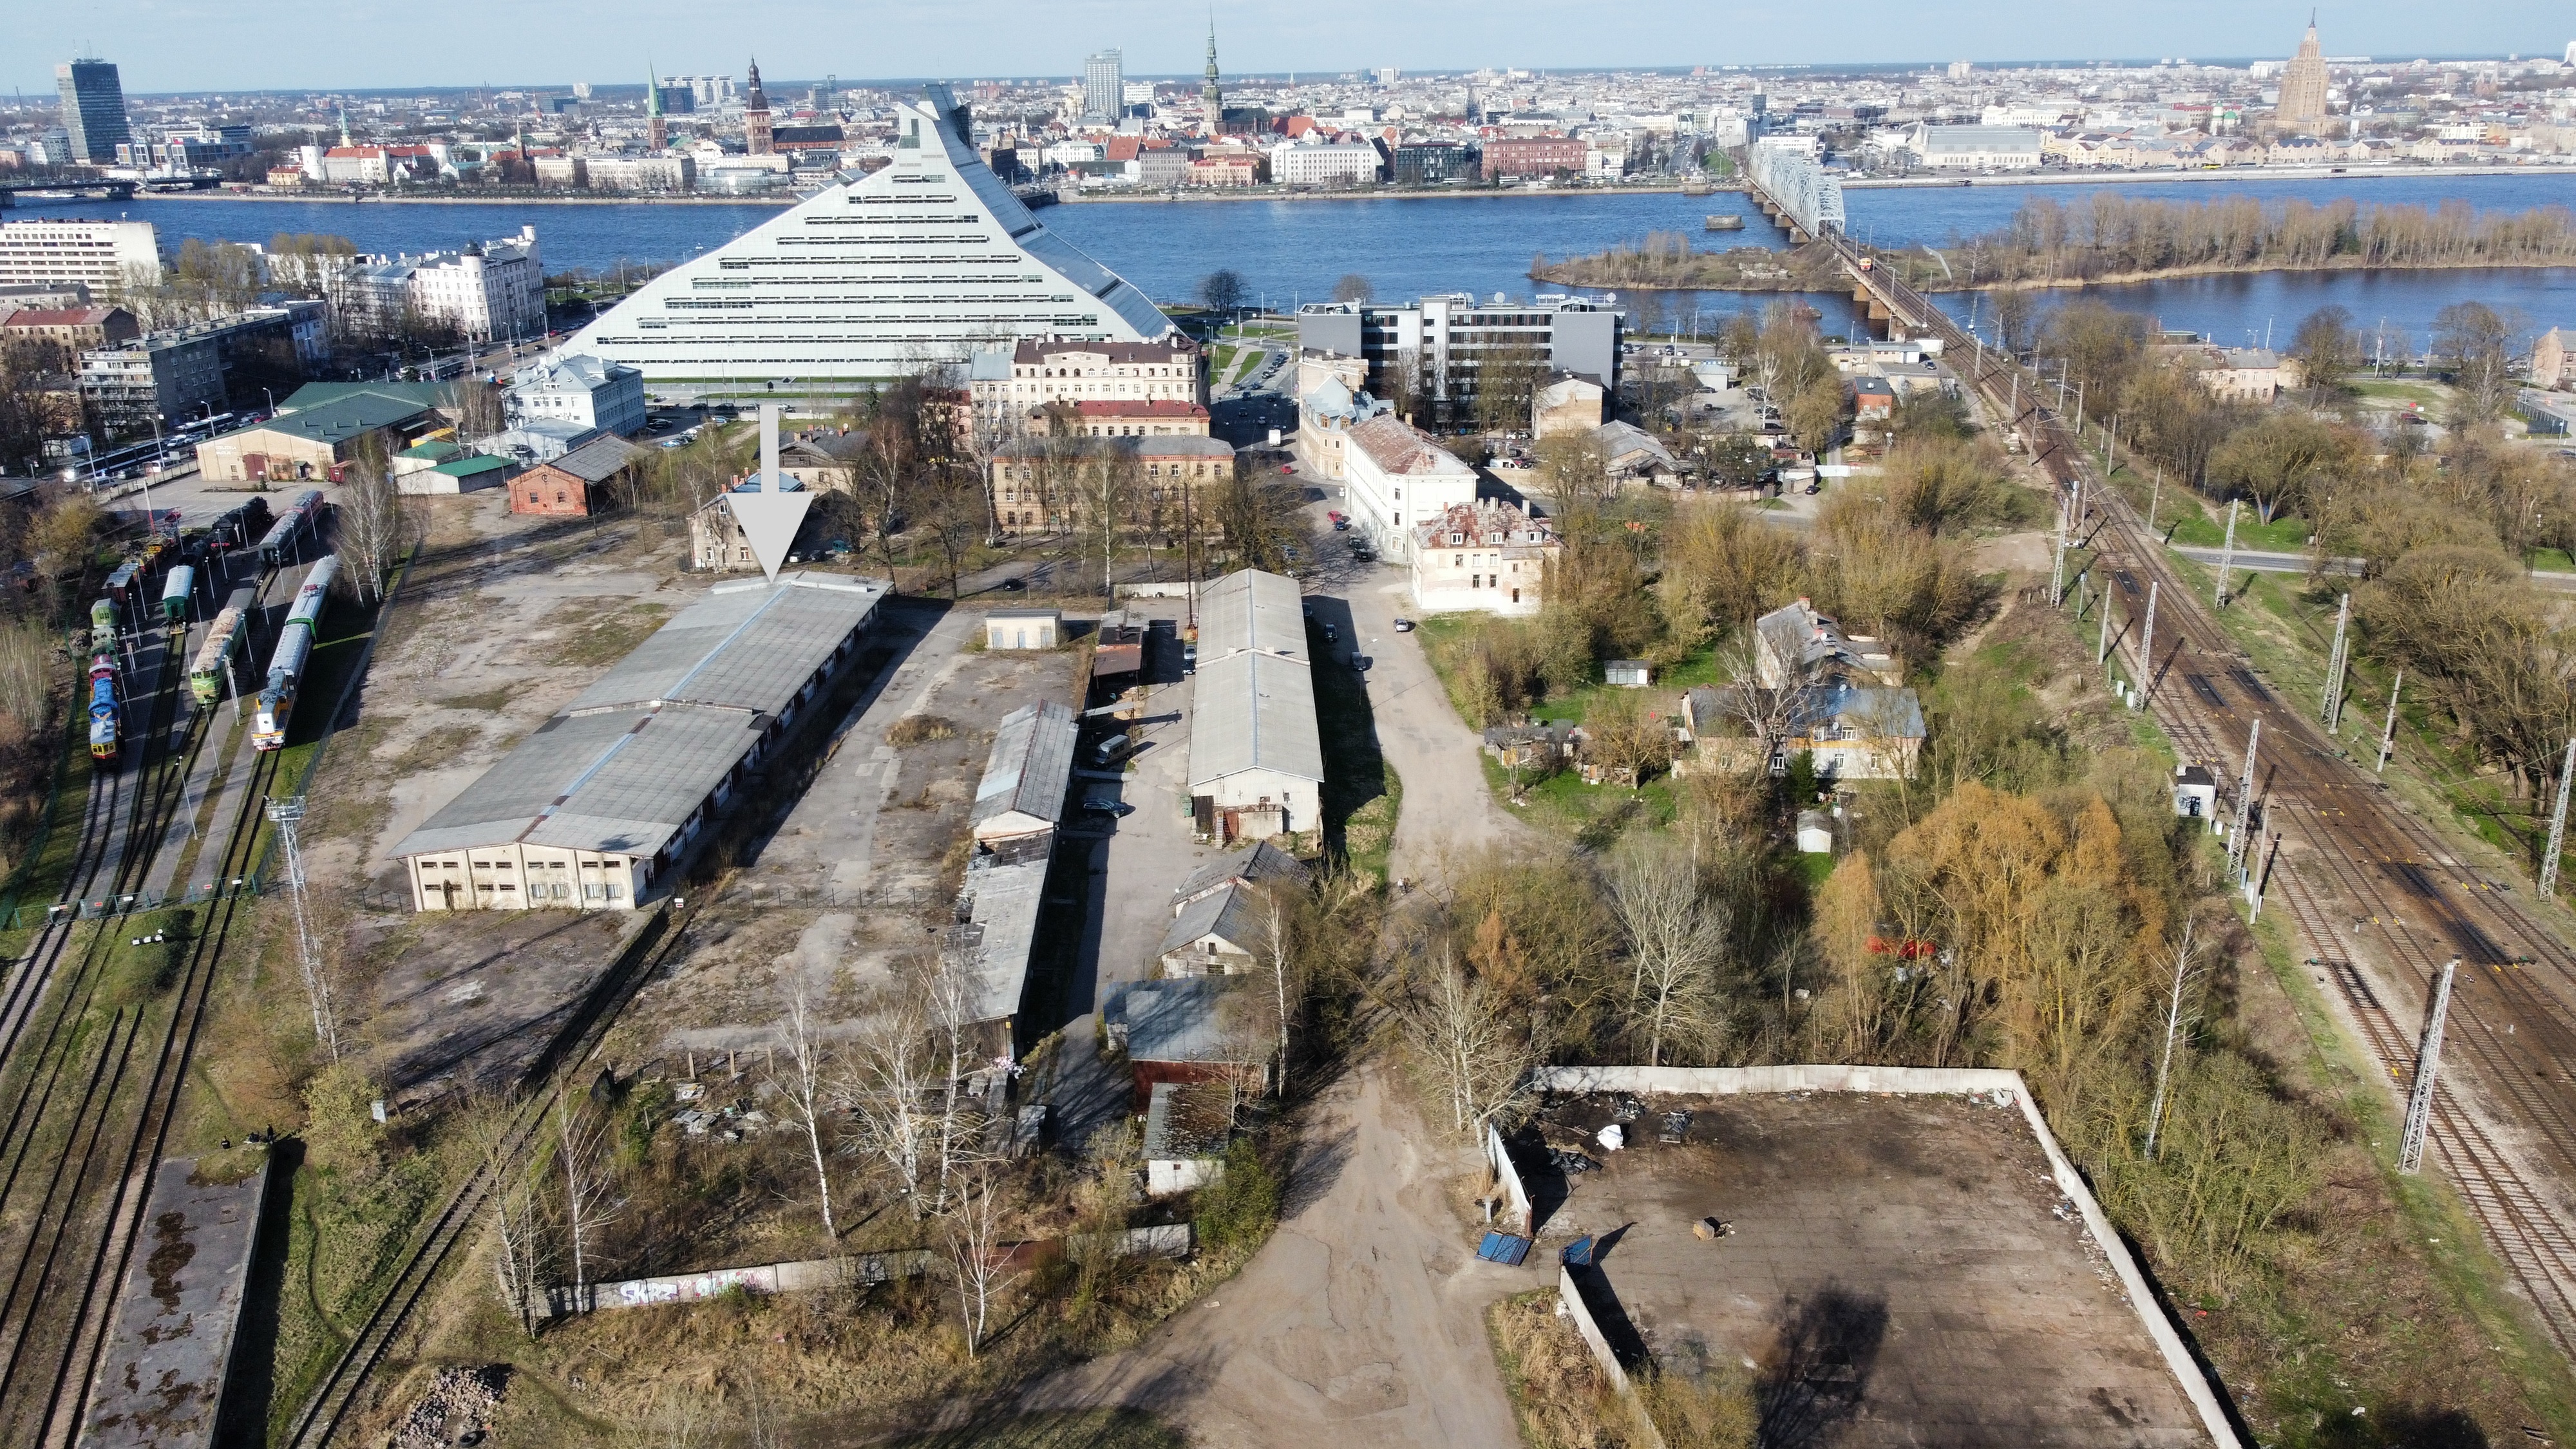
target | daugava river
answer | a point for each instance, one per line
(1295, 250)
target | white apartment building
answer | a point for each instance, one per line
(1481, 557)
(1333, 164)
(1399, 477)
(584, 390)
(487, 290)
(1006, 385)
(923, 261)
(100, 254)
(642, 173)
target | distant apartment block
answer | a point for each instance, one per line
(187, 372)
(486, 290)
(100, 254)
(1434, 163)
(1340, 163)
(1513, 158)
(1446, 345)
(1010, 389)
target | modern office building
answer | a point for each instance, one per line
(1448, 343)
(922, 262)
(93, 110)
(1104, 86)
(104, 255)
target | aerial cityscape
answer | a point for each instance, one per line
(1206, 752)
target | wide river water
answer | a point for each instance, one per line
(1295, 250)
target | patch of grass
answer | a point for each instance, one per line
(2550, 561)
(920, 729)
(2430, 394)
(1593, 815)
(611, 634)
(1559, 1394)
(2206, 527)
(481, 700)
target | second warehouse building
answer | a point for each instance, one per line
(1256, 755)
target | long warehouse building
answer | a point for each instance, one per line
(1256, 752)
(595, 809)
(925, 259)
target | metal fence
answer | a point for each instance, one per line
(126, 903)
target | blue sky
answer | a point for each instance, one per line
(198, 45)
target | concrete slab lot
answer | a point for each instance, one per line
(161, 1380)
(1898, 1270)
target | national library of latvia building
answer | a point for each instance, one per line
(923, 261)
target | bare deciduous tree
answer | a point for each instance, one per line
(370, 519)
(1676, 939)
(803, 1085)
(1472, 1057)
(511, 1190)
(589, 1186)
(887, 1091)
(972, 1226)
(955, 1009)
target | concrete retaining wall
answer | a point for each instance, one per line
(1501, 1158)
(1927, 1081)
(1171, 1240)
(1575, 1308)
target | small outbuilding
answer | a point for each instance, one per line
(2195, 793)
(1187, 1128)
(1628, 673)
(576, 484)
(1188, 1030)
(1023, 629)
(1815, 833)
(1027, 773)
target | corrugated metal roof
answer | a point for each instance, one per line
(1028, 769)
(1258, 864)
(1226, 913)
(623, 776)
(1176, 1020)
(743, 646)
(1006, 891)
(1254, 711)
(1250, 609)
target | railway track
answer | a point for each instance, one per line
(92, 1094)
(2503, 1129)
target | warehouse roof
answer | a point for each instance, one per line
(1251, 609)
(1256, 864)
(1027, 771)
(598, 460)
(1254, 711)
(340, 418)
(624, 776)
(1005, 886)
(1226, 913)
(472, 467)
(741, 647)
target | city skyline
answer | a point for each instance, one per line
(161, 52)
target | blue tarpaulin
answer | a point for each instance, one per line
(1504, 1248)
(1578, 1254)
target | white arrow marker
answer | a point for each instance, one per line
(771, 516)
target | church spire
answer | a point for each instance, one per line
(1211, 99)
(657, 128)
(756, 131)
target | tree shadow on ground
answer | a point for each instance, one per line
(1818, 1367)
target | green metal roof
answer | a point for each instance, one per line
(319, 394)
(437, 450)
(473, 467)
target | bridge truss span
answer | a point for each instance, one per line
(1808, 197)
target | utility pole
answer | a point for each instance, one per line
(2428, 1061)
(2153, 494)
(2147, 647)
(2336, 664)
(2057, 557)
(2227, 553)
(2388, 736)
(289, 816)
(2102, 651)
(2557, 825)
(2244, 802)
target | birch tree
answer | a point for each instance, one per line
(888, 1088)
(1472, 1057)
(589, 1187)
(370, 521)
(972, 1227)
(802, 1085)
(955, 1010)
(1279, 956)
(511, 1191)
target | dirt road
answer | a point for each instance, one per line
(1360, 1323)
(1447, 805)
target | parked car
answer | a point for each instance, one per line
(1404, 626)
(1361, 662)
(1109, 750)
(1332, 635)
(1118, 808)
(1341, 525)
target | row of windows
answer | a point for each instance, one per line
(969, 218)
(658, 324)
(678, 304)
(905, 200)
(744, 264)
(916, 239)
(746, 357)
